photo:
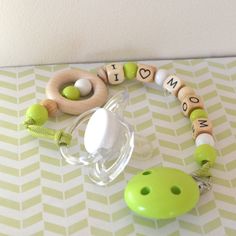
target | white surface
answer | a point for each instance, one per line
(101, 132)
(56, 31)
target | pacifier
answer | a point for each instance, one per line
(104, 140)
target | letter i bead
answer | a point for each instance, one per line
(115, 73)
(190, 103)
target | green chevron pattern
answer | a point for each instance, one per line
(40, 194)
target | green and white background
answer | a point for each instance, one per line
(40, 194)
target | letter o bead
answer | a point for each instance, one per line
(185, 91)
(190, 103)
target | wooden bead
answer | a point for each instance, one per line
(51, 107)
(102, 74)
(190, 103)
(173, 84)
(185, 91)
(145, 73)
(200, 126)
(115, 73)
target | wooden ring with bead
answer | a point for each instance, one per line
(55, 85)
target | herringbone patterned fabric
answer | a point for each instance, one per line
(40, 194)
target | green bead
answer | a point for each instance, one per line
(161, 193)
(130, 70)
(38, 113)
(71, 92)
(205, 153)
(198, 113)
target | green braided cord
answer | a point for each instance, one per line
(204, 171)
(41, 132)
(28, 121)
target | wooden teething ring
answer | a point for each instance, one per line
(54, 86)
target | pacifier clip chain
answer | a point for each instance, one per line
(37, 131)
(179, 190)
(191, 104)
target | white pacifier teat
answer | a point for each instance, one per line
(102, 131)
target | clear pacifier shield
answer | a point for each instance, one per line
(108, 141)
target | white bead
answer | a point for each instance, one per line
(102, 131)
(160, 76)
(84, 86)
(204, 139)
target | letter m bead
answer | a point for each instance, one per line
(173, 84)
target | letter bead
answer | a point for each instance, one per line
(115, 73)
(173, 84)
(185, 91)
(145, 73)
(102, 74)
(202, 125)
(190, 103)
